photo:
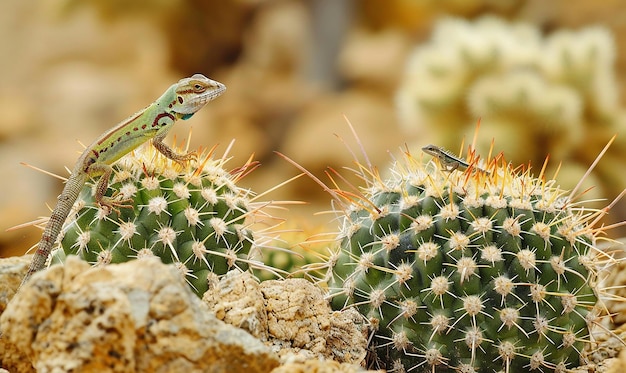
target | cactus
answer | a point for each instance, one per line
(193, 215)
(470, 270)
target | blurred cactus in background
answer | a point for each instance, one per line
(194, 216)
(536, 95)
(299, 251)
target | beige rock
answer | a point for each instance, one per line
(137, 316)
(612, 365)
(614, 283)
(237, 300)
(13, 359)
(298, 313)
(299, 322)
(319, 366)
(12, 270)
(608, 344)
(618, 365)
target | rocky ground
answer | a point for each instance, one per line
(140, 316)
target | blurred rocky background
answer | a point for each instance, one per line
(543, 77)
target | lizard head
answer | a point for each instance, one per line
(193, 93)
(431, 150)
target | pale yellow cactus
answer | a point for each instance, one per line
(537, 95)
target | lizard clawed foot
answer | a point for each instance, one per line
(182, 159)
(451, 166)
(110, 204)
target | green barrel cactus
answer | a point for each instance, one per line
(468, 271)
(192, 215)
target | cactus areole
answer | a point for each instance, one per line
(468, 271)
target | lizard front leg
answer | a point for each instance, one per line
(169, 153)
(451, 166)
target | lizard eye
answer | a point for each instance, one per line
(199, 87)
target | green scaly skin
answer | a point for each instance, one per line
(180, 101)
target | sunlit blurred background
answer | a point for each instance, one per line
(544, 77)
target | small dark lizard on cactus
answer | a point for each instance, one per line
(180, 101)
(449, 161)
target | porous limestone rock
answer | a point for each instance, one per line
(137, 316)
(320, 366)
(237, 300)
(298, 314)
(12, 270)
(291, 315)
(618, 364)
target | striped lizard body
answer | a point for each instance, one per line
(180, 101)
(449, 161)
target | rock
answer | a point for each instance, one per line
(298, 313)
(237, 300)
(298, 320)
(618, 364)
(137, 316)
(614, 282)
(12, 270)
(319, 366)
(608, 344)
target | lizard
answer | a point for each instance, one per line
(180, 101)
(449, 161)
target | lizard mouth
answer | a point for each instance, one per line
(198, 101)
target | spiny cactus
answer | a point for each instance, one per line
(468, 271)
(192, 215)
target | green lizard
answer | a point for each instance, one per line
(449, 161)
(180, 101)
